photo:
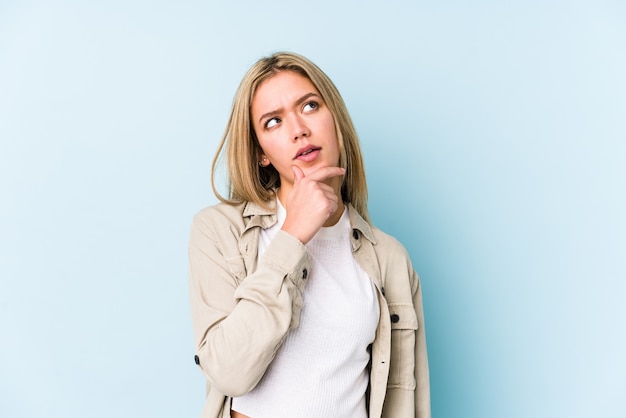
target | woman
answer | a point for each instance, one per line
(300, 307)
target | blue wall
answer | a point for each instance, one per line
(494, 136)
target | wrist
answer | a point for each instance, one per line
(294, 232)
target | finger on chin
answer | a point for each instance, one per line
(326, 173)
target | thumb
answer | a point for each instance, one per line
(297, 174)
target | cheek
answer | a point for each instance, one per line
(269, 150)
(264, 143)
(332, 132)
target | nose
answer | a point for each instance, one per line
(300, 129)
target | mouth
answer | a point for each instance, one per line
(306, 151)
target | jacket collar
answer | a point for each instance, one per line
(360, 224)
(259, 216)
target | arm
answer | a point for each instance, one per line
(239, 327)
(422, 388)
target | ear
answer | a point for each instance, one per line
(263, 160)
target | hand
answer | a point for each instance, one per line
(311, 202)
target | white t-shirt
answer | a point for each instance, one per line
(320, 370)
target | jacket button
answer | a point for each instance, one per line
(196, 359)
(395, 318)
(355, 234)
(305, 273)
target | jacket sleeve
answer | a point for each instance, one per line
(422, 380)
(239, 322)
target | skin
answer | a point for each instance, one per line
(296, 132)
(289, 117)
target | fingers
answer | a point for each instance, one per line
(321, 174)
(297, 174)
(328, 191)
(313, 199)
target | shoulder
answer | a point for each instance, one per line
(220, 213)
(227, 219)
(219, 220)
(388, 246)
(388, 250)
(396, 267)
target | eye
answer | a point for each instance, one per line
(271, 122)
(309, 106)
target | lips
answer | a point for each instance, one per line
(306, 151)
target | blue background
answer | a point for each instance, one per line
(494, 138)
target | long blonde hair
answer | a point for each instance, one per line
(247, 181)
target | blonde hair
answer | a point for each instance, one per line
(247, 181)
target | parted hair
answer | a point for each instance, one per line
(247, 180)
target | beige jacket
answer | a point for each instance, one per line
(242, 308)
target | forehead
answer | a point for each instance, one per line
(280, 90)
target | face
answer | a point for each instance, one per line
(294, 126)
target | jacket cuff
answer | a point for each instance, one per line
(288, 255)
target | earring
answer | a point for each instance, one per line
(262, 162)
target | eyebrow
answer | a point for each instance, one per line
(298, 103)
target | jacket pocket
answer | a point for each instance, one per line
(237, 268)
(403, 329)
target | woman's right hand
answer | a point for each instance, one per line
(312, 201)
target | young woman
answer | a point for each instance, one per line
(300, 307)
